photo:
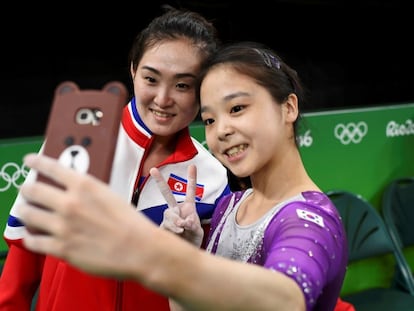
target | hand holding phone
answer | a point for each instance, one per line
(83, 127)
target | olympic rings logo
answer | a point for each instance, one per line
(351, 132)
(11, 174)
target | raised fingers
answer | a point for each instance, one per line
(191, 184)
(170, 218)
(164, 188)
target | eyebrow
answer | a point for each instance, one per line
(178, 75)
(228, 98)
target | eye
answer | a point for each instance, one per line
(150, 79)
(182, 86)
(69, 141)
(236, 108)
(208, 121)
(86, 141)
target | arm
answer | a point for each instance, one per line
(306, 241)
(82, 225)
(23, 268)
(19, 279)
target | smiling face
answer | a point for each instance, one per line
(246, 129)
(164, 86)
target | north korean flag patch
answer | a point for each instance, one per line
(178, 186)
(310, 216)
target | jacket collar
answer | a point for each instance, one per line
(142, 135)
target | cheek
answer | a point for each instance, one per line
(144, 93)
(188, 104)
(193, 110)
(211, 142)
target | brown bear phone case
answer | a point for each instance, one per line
(83, 127)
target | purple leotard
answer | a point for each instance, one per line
(302, 237)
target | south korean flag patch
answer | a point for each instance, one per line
(310, 216)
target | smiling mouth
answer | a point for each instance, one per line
(162, 114)
(233, 151)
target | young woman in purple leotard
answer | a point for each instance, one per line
(283, 221)
(278, 245)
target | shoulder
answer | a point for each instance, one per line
(320, 202)
(225, 202)
(202, 149)
(313, 208)
(235, 196)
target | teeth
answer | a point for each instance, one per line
(235, 150)
(161, 114)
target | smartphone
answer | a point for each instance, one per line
(83, 126)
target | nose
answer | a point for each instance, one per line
(224, 129)
(163, 98)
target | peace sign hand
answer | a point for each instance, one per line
(181, 218)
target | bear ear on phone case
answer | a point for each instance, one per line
(83, 126)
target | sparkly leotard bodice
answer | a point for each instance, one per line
(302, 237)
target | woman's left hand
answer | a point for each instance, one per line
(181, 218)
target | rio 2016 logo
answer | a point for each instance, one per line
(305, 140)
(395, 129)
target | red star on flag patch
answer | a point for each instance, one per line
(178, 186)
(310, 216)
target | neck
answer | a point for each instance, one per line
(282, 179)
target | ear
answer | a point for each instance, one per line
(116, 88)
(290, 108)
(132, 71)
(66, 87)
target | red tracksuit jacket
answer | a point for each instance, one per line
(64, 288)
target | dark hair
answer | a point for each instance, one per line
(175, 24)
(238, 183)
(260, 63)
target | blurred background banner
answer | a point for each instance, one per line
(13, 173)
(359, 150)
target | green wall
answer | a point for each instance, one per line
(13, 173)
